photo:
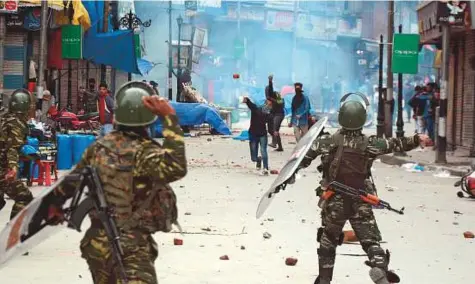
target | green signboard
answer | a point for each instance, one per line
(239, 48)
(71, 42)
(405, 53)
(138, 49)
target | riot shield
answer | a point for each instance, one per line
(291, 165)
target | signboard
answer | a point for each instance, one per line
(31, 20)
(350, 27)
(279, 21)
(452, 12)
(137, 47)
(316, 27)
(184, 54)
(196, 54)
(8, 6)
(14, 21)
(71, 42)
(405, 53)
(199, 37)
(246, 14)
(191, 8)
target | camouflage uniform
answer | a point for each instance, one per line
(13, 132)
(131, 167)
(347, 157)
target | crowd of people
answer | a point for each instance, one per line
(268, 118)
(422, 103)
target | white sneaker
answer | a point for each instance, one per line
(265, 172)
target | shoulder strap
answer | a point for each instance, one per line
(339, 153)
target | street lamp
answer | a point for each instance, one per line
(132, 22)
(179, 21)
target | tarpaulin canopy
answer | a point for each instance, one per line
(195, 114)
(115, 49)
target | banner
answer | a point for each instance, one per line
(8, 7)
(71, 42)
(405, 53)
(316, 27)
(279, 21)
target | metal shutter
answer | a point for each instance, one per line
(14, 60)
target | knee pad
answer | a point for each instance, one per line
(326, 252)
(377, 257)
(319, 234)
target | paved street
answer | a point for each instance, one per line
(217, 204)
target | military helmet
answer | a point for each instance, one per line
(20, 101)
(352, 114)
(129, 108)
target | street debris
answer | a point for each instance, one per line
(440, 173)
(243, 247)
(290, 261)
(266, 235)
(468, 235)
(349, 237)
(458, 213)
(390, 188)
(412, 167)
(187, 213)
(270, 219)
(274, 172)
(178, 242)
(224, 257)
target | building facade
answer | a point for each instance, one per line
(461, 79)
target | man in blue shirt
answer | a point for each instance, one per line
(300, 112)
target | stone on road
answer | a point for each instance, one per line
(221, 193)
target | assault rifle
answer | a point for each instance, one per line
(336, 187)
(95, 199)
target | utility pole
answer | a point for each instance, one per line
(400, 121)
(170, 55)
(42, 53)
(294, 42)
(389, 107)
(115, 26)
(440, 154)
(380, 125)
(238, 61)
(105, 28)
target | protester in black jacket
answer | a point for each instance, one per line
(277, 115)
(258, 134)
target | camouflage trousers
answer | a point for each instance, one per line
(140, 253)
(337, 210)
(16, 190)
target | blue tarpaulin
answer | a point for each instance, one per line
(116, 49)
(196, 114)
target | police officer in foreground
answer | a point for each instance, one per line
(346, 156)
(135, 172)
(13, 133)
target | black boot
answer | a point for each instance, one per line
(326, 262)
(279, 144)
(319, 281)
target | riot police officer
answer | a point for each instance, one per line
(346, 156)
(134, 172)
(13, 133)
